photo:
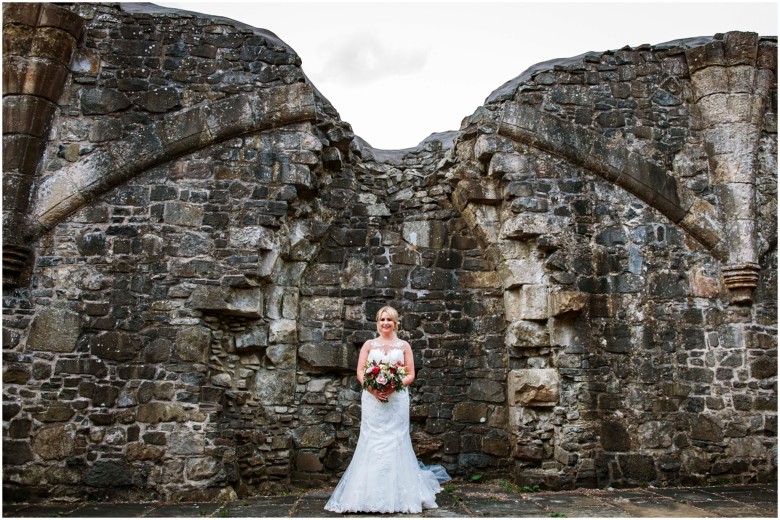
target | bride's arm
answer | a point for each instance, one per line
(361, 364)
(409, 363)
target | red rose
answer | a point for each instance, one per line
(375, 371)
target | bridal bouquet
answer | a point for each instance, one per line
(383, 371)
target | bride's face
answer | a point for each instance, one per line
(386, 324)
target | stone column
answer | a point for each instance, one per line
(731, 87)
(38, 43)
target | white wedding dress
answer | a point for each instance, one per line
(384, 476)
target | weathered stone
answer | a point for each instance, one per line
(486, 390)
(109, 473)
(527, 303)
(321, 308)
(275, 387)
(283, 331)
(282, 356)
(55, 412)
(184, 442)
(614, 436)
(158, 100)
(100, 101)
(183, 214)
(157, 412)
(763, 367)
(16, 453)
(228, 300)
(533, 387)
(54, 442)
(518, 272)
(114, 346)
(157, 351)
(325, 356)
(252, 237)
(202, 468)
(424, 233)
(315, 436)
(527, 334)
(637, 468)
(251, 341)
(565, 302)
(54, 330)
(706, 428)
(15, 373)
(192, 344)
(309, 462)
(470, 412)
(526, 226)
(137, 451)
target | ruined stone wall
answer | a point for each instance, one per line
(211, 245)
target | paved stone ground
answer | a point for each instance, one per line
(461, 500)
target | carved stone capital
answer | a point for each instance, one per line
(740, 280)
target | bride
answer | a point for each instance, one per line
(384, 476)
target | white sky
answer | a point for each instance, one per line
(399, 71)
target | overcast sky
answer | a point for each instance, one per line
(399, 71)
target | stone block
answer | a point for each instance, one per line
(233, 301)
(138, 451)
(251, 341)
(763, 367)
(101, 101)
(425, 233)
(489, 144)
(202, 468)
(277, 386)
(157, 412)
(54, 330)
(55, 442)
(193, 343)
(314, 436)
(115, 346)
(182, 214)
(518, 272)
(109, 473)
(525, 226)
(479, 279)
(308, 462)
(637, 468)
(283, 331)
(705, 428)
(15, 374)
(567, 302)
(321, 308)
(614, 436)
(252, 237)
(486, 390)
(533, 387)
(477, 191)
(470, 412)
(328, 355)
(527, 303)
(159, 100)
(186, 442)
(507, 163)
(527, 334)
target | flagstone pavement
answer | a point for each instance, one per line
(458, 500)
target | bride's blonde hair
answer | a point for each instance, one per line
(391, 313)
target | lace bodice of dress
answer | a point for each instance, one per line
(392, 353)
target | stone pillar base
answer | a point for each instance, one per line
(16, 259)
(740, 280)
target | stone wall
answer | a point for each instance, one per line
(588, 284)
